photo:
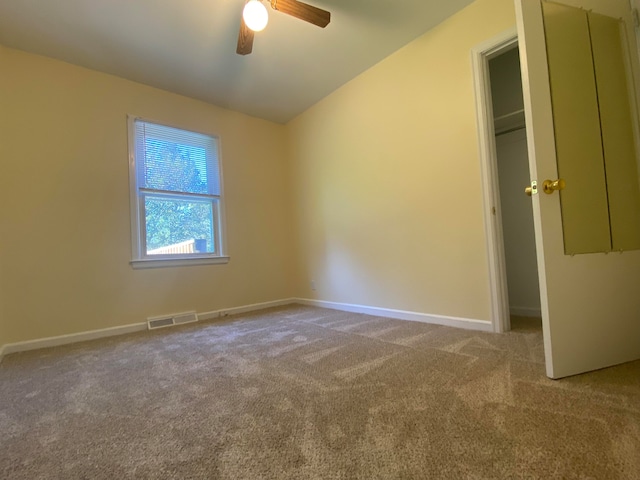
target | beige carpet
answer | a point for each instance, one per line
(307, 393)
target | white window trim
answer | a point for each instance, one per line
(178, 262)
(138, 259)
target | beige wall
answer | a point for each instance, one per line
(3, 325)
(387, 178)
(3, 181)
(65, 243)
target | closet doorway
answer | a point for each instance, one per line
(513, 175)
(513, 262)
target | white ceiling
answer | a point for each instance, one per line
(188, 46)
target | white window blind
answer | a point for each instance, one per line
(176, 160)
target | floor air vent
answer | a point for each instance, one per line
(170, 320)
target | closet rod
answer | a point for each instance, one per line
(515, 129)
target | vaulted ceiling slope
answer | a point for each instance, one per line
(188, 46)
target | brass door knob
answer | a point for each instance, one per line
(550, 186)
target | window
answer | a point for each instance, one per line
(175, 196)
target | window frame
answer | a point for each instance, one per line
(137, 195)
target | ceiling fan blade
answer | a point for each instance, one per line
(305, 12)
(245, 39)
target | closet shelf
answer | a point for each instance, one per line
(509, 121)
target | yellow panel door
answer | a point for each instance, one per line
(584, 203)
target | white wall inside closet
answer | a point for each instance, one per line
(513, 173)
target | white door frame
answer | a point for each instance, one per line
(480, 56)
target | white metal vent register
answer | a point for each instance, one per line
(170, 320)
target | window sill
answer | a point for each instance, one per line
(177, 262)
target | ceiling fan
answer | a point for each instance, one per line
(297, 9)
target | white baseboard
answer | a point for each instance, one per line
(72, 338)
(466, 323)
(223, 312)
(525, 312)
(136, 327)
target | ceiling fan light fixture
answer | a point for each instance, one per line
(255, 15)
